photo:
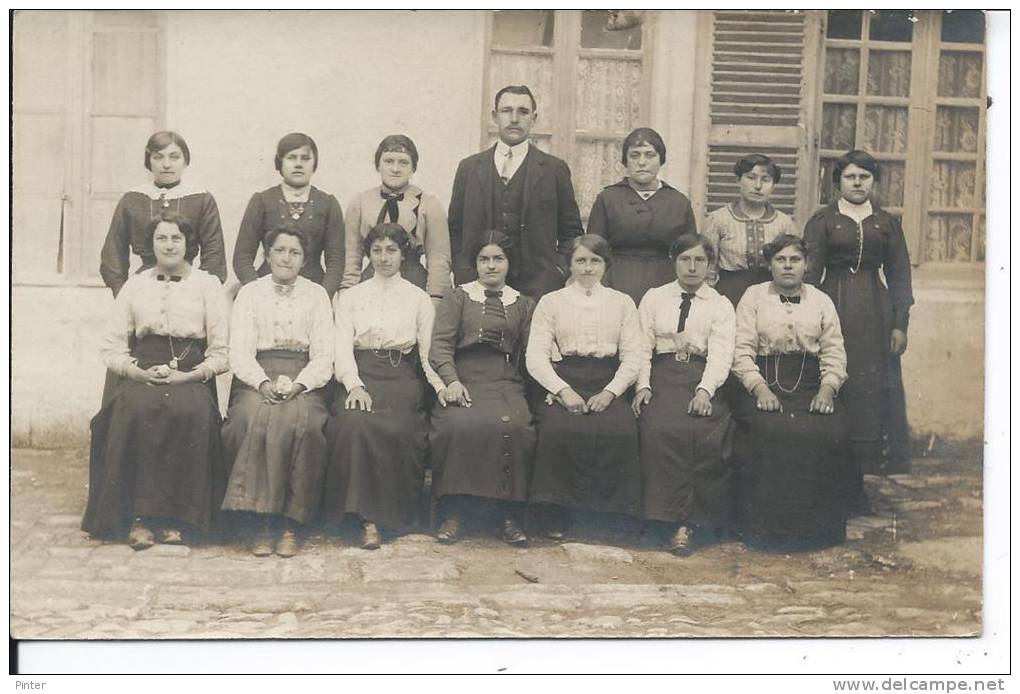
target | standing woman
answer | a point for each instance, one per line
(791, 445)
(688, 350)
(155, 459)
(640, 217)
(851, 241)
(739, 231)
(483, 442)
(166, 157)
(281, 353)
(587, 454)
(295, 202)
(378, 428)
(399, 201)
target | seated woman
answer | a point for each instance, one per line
(377, 432)
(155, 460)
(294, 203)
(740, 230)
(792, 445)
(281, 353)
(399, 201)
(585, 350)
(483, 442)
(688, 350)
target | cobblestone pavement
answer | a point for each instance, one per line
(913, 568)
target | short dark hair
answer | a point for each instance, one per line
(747, 163)
(686, 242)
(782, 241)
(270, 238)
(292, 141)
(515, 89)
(489, 238)
(858, 157)
(160, 141)
(182, 223)
(643, 136)
(594, 243)
(397, 143)
(388, 230)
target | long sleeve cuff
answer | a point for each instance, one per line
(833, 380)
(708, 387)
(554, 386)
(752, 380)
(351, 382)
(618, 386)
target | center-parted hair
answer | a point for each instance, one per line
(388, 230)
(292, 141)
(160, 141)
(594, 243)
(686, 242)
(490, 238)
(182, 223)
(397, 143)
(270, 238)
(643, 136)
(784, 241)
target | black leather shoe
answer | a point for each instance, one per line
(512, 534)
(449, 531)
(680, 545)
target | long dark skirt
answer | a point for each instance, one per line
(635, 273)
(733, 284)
(487, 449)
(155, 450)
(793, 465)
(376, 463)
(276, 454)
(873, 395)
(685, 467)
(590, 461)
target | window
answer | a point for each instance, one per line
(910, 89)
(87, 88)
(589, 73)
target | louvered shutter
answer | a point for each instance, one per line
(760, 97)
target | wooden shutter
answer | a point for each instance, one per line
(758, 94)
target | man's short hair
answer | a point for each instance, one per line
(514, 89)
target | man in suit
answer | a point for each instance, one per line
(515, 188)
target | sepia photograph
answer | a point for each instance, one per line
(498, 324)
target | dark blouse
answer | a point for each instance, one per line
(836, 244)
(462, 322)
(322, 222)
(630, 223)
(127, 235)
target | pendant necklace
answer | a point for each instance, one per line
(297, 209)
(175, 359)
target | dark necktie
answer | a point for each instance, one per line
(685, 310)
(168, 278)
(783, 299)
(493, 318)
(389, 208)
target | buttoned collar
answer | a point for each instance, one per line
(153, 192)
(858, 213)
(476, 292)
(576, 287)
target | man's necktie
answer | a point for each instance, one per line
(685, 310)
(507, 164)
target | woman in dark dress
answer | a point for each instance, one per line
(377, 432)
(155, 458)
(166, 157)
(295, 202)
(851, 241)
(281, 353)
(483, 442)
(791, 447)
(740, 230)
(640, 217)
(584, 348)
(688, 332)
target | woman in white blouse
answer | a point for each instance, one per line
(281, 353)
(155, 466)
(793, 437)
(378, 428)
(688, 331)
(585, 350)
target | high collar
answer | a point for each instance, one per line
(293, 192)
(386, 283)
(738, 213)
(576, 287)
(154, 192)
(704, 291)
(476, 292)
(645, 193)
(858, 213)
(805, 289)
(409, 191)
(520, 150)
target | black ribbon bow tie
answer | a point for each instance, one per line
(783, 299)
(389, 208)
(168, 278)
(493, 293)
(685, 310)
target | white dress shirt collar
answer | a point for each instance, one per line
(858, 213)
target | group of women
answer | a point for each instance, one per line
(741, 379)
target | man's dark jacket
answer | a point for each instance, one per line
(549, 218)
